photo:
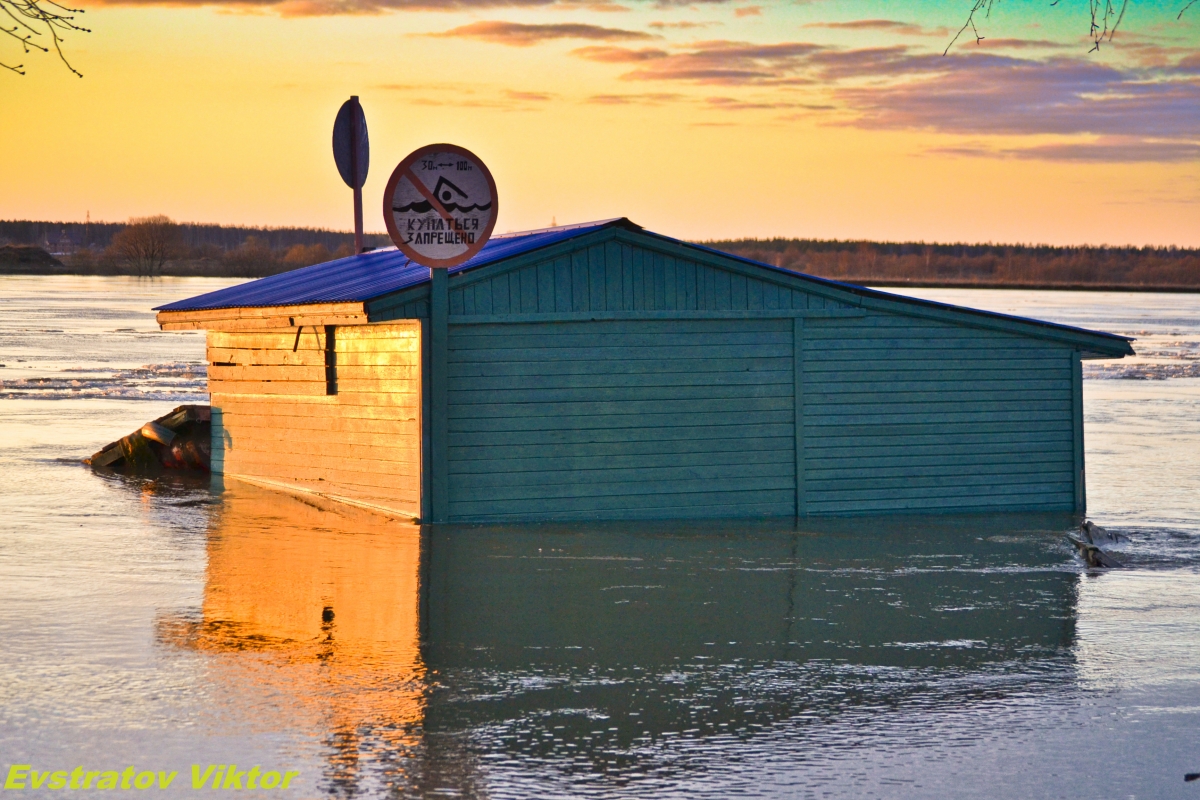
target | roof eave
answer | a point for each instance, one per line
(263, 317)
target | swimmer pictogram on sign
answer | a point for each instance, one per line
(440, 205)
(448, 193)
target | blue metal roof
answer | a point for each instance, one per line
(364, 277)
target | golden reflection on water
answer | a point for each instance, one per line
(312, 612)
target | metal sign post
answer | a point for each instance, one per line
(440, 208)
(352, 154)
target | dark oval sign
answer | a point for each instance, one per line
(344, 139)
(440, 205)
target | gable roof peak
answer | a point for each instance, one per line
(612, 222)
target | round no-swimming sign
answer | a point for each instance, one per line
(440, 205)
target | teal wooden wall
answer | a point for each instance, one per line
(621, 419)
(621, 277)
(610, 276)
(619, 379)
(908, 414)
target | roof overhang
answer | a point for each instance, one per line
(264, 317)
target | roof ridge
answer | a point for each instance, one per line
(574, 226)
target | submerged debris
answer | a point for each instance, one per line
(179, 440)
(1089, 545)
(1098, 536)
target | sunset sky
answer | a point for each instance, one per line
(826, 118)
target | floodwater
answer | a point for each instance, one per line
(162, 624)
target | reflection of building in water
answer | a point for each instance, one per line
(442, 659)
(315, 611)
(600, 645)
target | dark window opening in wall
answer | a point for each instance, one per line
(330, 359)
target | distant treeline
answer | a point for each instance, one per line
(220, 250)
(102, 248)
(66, 237)
(918, 263)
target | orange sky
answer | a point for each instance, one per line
(715, 119)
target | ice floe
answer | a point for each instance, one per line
(178, 381)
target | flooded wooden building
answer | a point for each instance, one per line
(602, 371)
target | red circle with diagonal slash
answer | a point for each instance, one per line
(435, 220)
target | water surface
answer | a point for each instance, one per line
(165, 623)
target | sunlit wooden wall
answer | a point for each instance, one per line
(334, 410)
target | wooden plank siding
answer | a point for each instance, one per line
(675, 418)
(609, 276)
(621, 419)
(904, 414)
(275, 418)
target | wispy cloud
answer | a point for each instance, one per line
(805, 113)
(665, 4)
(748, 11)
(603, 6)
(740, 104)
(462, 95)
(713, 62)
(967, 93)
(1190, 64)
(518, 34)
(646, 99)
(619, 55)
(529, 97)
(458, 88)
(685, 25)
(1003, 95)
(888, 25)
(1019, 44)
(1107, 150)
(310, 8)
(1131, 114)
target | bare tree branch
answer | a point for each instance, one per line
(40, 18)
(979, 5)
(1106, 17)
